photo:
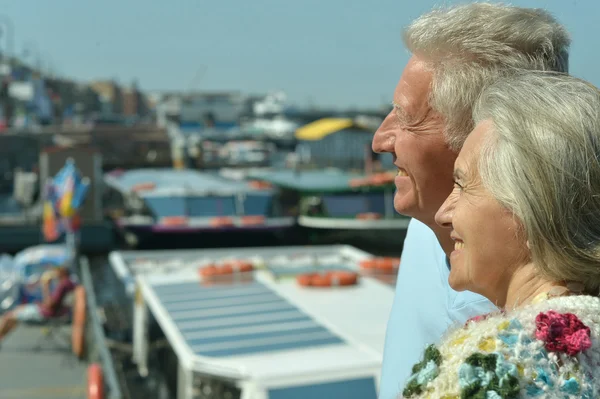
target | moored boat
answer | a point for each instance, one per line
(285, 323)
(161, 203)
(338, 206)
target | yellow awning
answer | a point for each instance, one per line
(323, 127)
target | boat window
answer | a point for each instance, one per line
(211, 206)
(166, 206)
(349, 205)
(363, 388)
(113, 201)
(257, 204)
(289, 200)
(192, 206)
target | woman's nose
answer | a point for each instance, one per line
(443, 216)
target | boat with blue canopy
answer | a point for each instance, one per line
(169, 202)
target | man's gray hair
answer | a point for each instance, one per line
(542, 162)
(470, 46)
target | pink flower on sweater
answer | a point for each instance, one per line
(562, 332)
(477, 319)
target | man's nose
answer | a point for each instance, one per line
(384, 138)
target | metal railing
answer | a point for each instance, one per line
(97, 351)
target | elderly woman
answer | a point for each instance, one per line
(525, 218)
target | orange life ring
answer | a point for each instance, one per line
(369, 216)
(372, 180)
(221, 221)
(143, 187)
(381, 264)
(209, 271)
(260, 185)
(367, 264)
(78, 325)
(226, 269)
(337, 278)
(174, 221)
(240, 266)
(377, 179)
(358, 182)
(253, 220)
(382, 178)
(387, 264)
(95, 382)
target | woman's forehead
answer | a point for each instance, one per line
(472, 147)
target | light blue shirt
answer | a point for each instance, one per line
(424, 307)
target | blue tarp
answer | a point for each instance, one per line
(32, 262)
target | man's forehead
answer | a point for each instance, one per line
(411, 96)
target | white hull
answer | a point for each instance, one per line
(352, 224)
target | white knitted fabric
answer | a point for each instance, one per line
(537, 370)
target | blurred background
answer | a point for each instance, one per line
(234, 130)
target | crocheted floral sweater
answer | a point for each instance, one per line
(549, 349)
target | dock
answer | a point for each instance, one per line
(37, 365)
(51, 371)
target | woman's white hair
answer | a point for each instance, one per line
(470, 46)
(542, 162)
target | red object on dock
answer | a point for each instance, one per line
(95, 382)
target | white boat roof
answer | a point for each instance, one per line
(279, 260)
(327, 180)
(176, 182)
(241, 173)
(269, 329)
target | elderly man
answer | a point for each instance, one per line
(456, 53)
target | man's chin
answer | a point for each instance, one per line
(406, 207)
(458, 286)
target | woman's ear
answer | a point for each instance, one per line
(528, 245)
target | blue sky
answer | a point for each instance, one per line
(340, 53)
